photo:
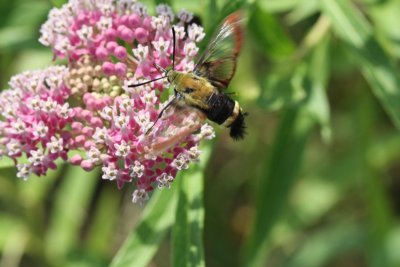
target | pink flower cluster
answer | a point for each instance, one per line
(35, 115)
(110, 46)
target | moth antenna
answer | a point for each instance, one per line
(143, 83)
(173, 48)
(160, 114)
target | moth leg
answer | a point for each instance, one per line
(165, 143)
(190, 120)
(161, 113)
(232, 93)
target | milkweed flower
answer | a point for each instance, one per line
(34, 119)
(110, 46)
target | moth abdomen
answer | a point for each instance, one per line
(223, 110)
(238, 127)
(220, 108)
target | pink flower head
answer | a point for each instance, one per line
(35, 115)
(110, 46)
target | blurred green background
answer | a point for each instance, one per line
(316, 182)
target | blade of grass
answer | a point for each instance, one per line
(218, 15)
(318, 105)
(6, 163)
(281, 90)
(213, 9)
(58, 3)
(231, 6)
(187, 242)
(14, 248)
(34, 191)
(278, 6)
(374, 191)
(274, 42)
(392, 246)
(143, 242)
(102, 226)
(158, 2)
(303, 10)
(72, 199)
(284, 162)
(276, 181)
(327, 244)
(375, 65)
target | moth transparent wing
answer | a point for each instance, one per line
(218, 63)
(176, 124)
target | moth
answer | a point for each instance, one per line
(203, 88)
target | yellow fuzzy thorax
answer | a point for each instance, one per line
(194, 89)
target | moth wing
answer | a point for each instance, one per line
(178, 122)
(218, 63)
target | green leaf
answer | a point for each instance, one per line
(213, 9)
(12, 38)
(283, 88)
(380, 216)
(392, 246)
(277, 6)
(158, 216)
(384, 152)
(102, 226)
(6, 162)
(278, 176)
(58, 3)
(13, 242)
(318, 105)
(269, 34)
(375, 66)
(327, 244)
(383, 17)
(35, 190)
(69, 209)
(217, 16)
(188, 229)
(282, 165)
(303, 10)
(231, 6)
(158, 2)
(198, 8)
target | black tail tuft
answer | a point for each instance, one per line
(238, 127)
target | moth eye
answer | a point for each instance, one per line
(189, 90)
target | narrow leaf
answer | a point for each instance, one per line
(277, 6)
(188, 228)
(141, 245)
(6, 162)
(158, 2)
(231, 6)
(327, 244)
(303, 10)
(102, 226)
(71, 203)
(375, 65)
(282, 165)
(58, 3)
(276, 181)
(274, 41)
(318, 105)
